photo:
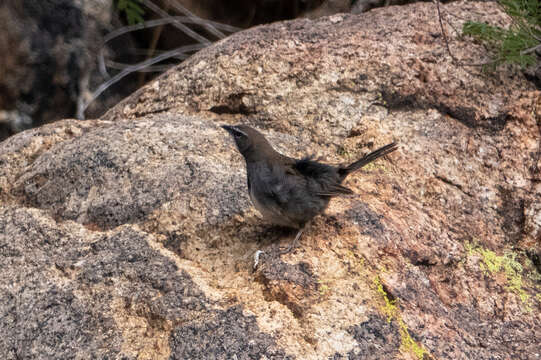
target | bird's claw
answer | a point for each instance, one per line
(256, 258)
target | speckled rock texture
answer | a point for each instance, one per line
(133, 236)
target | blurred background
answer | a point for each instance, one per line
(77, 58)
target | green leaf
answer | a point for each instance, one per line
(131, 9)
(483, 31)
(509, 44)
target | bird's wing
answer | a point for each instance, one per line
(324, 178)
(334, 190)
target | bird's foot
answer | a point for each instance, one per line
(256, 258)
(293, 243)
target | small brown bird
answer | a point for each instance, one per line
(287, 191)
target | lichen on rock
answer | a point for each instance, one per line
(133, 235)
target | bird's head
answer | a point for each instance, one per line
(250, 142)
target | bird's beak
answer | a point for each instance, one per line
(230, 129)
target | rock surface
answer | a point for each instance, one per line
(132, 236)
(49, 62)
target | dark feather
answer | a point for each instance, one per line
(326, 177)
(311, 168)
(345, 171)
(335, 190)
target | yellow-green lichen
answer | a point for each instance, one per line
(374, 166)
(323, 289)
(469, 248)
(507, 263)
(410, 345)
(343, 152)
(390, 309)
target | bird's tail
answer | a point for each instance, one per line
(345, 171)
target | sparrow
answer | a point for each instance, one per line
(287, 191)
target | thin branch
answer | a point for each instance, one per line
(208, 25)
(122, 66)
(166, 55)
(152, 48)
(164, 21)
(530, 50)
(443, 32)
(144, 51)
(150, 24)
(177, 24)
(449, 23)
(101, 63)
(158, 68)
(455, 60)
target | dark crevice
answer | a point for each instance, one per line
(233, 105)
(394, 100)
(512, 213)
(151, 112)
(533, 77)
(535, 257)
(388, 292)
(449, 182)
(418, 259)
(465, 115)
(224, 109)
(534, 170)
(424, 262)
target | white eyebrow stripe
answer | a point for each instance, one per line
(240, 131)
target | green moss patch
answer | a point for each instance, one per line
(491, 263)
(391, 310)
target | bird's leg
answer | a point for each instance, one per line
(258, 253)
(294, 243)
(256, 258)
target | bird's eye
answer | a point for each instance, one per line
(238, 135)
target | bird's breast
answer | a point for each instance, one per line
(269, 194)
(269, 210)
